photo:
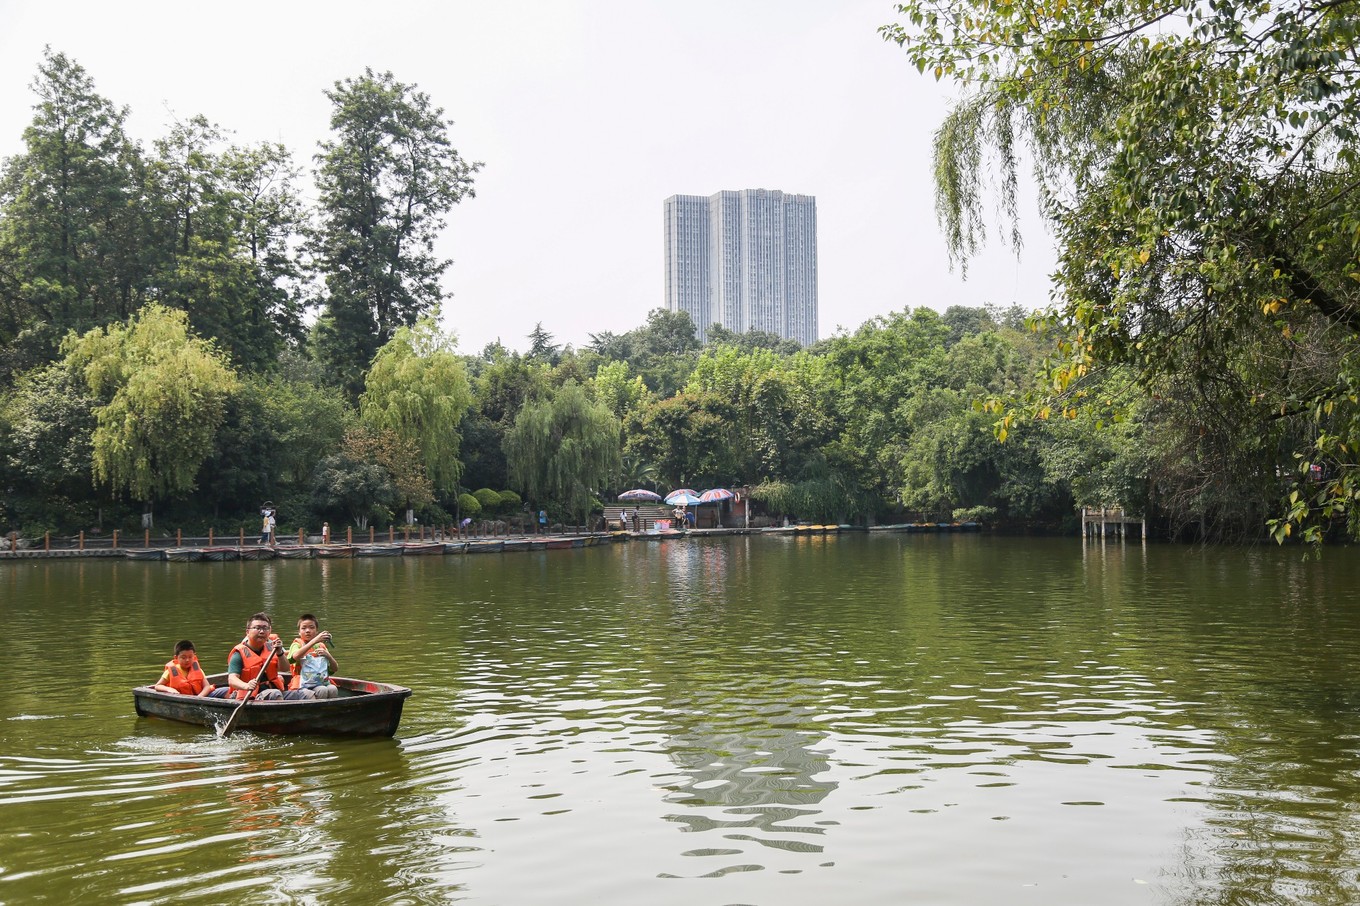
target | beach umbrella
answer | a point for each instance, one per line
(713, 495)
(640, 494)
(682, 497)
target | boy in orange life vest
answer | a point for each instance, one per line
(182, 675)
(310, 659)
(249, 658)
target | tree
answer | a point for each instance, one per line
(386, 182)
(1204, 187)
(541, 346)
(70, 218)
(417, 389)
(162, 393)
(564, 451)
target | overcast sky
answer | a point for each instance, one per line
(587, 114)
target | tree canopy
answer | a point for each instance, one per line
(1198, 164)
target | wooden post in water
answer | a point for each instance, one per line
(370, 534)
(115, 539)
(210, 536)
(349, 534)
(179, 537)
(146, 537)
(241, 537)
(302, 538)
(82, 539)
(391, 533)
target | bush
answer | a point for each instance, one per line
(489, 499)
(510, 501)
(469, 506)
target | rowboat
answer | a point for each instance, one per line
(485, 547)
(362, 708)
(144, 553)
(422, 548)
(335, 550)
(221, 553)
(455, 547)
(183, 554)
(293, 552)
(377, 550)
(257, 553)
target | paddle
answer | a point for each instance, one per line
(264, 669)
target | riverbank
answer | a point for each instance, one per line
(176, 549)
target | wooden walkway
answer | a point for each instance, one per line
(1111, 522)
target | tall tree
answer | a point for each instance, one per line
(564, 451)
(70, 218)
(1203, 180)
(162, 393)
(386, 182)
(417, 389)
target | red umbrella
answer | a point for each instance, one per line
(713, 495)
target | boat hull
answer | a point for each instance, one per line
(333, 551)
(363, 708)
(293, 553)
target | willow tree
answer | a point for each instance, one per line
(563, 451)
(162, 393)
(1198, 163)
(417, 389)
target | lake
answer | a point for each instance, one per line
(884, 718)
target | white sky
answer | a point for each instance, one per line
(587, 114)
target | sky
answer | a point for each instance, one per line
(586, 116)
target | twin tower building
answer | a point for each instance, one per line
(746, 260)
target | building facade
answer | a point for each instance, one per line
(746, 260)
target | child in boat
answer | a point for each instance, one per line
(182, 675)
(310, 660)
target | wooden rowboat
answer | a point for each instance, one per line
(221, 553)
(183, 554)
(363, 708)
(377, 550)
(293, 552)
(256, 553)
(144, 553)
(335, 550)
(422, 548)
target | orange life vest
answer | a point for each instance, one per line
(251, 662)
(185, 682)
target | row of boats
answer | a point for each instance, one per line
(394, 549)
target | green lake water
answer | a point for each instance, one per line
(867, 719)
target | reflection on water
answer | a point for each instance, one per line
(758, 720)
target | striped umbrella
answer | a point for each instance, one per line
(713, 495)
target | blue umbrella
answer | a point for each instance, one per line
(682, 497)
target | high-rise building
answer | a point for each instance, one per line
(746, 260)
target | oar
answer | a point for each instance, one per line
(231, 721)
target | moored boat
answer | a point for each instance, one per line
(184, 554)
(255, 552)
(455, 547)
(362, 708)
(144, 553)
(485, 547)
(421, 548)
(377, 550)
(221, 553)
(515, 544)
(329, 551)
(293, 552)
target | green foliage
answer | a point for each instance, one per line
(510, 502)
(1202, 180)
(69, 219)
(363, 491)
(562, 451)
(489, 500)
(386, 182)
(162, 393)
(469, 506)
(417, 389)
